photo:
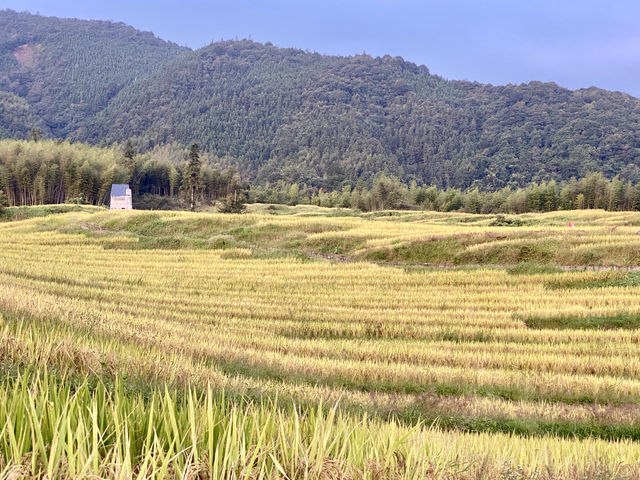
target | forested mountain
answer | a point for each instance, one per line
(67, 70)
(287, 114)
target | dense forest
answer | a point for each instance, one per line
(287, 116)
(65, 71)
(44, 172)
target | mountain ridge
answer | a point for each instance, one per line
(289, 114)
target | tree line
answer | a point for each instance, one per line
(389, 193)
(45, 172)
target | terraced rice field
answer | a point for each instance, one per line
(340, 354)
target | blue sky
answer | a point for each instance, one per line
(574, 43)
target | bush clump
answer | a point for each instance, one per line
(502, 221)
(233, 204)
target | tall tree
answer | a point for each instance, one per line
(3, 201)
(193, 175)
(129, 151)
(35, 135)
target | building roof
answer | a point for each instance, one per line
(119, 189)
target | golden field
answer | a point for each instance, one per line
(403, 345)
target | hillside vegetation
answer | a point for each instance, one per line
(121, 331)
(54, 172)
(302, 117)
(68, 70)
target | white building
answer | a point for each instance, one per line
(120, 197)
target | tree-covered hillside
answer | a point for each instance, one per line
(67, 70)
(287, 114)
(17, 118)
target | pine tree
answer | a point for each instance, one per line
(35, 135)
(193, 175)
(129, 151)
(3, 201)
(133, 166)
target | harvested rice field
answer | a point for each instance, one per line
(319, 343)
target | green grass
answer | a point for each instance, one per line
(602, 280)
(335, 245)
(619, 321)
(532, 268)
(24, 213)
(434, 251)
(535, 250)
(525, 427)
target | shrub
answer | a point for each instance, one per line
(502, 221)
(79, 200)
(233, 204)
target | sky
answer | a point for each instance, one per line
(573, 43)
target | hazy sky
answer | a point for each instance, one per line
(574, 43)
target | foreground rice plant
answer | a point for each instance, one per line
(52, 430)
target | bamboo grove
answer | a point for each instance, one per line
(48, 172)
